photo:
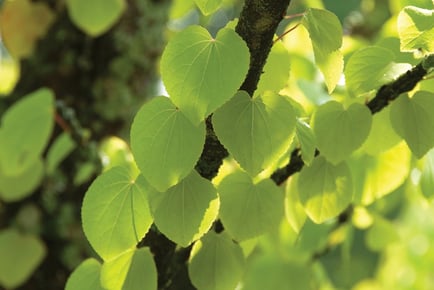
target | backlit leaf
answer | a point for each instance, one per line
(165, 144)
(248, 210)
(273, 272)
(186, 211)
(20, 256)
(416, 29)
(427, 176)
(371, 67)
(276, 70)
(25, 129)
(194, 66)
(256, 131)
(379, 175)
(134, 269)
(307, 141)
(325, 32)
(115, 212)
(294, 211)
(97, 16)
(325, 190)
(208, 6)
(338, 131)
(216, 263)
(413, 120)
(86, 276)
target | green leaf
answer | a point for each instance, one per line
(256, 131)
(325, 190)
(216, 263)
(61, 148)
(371, 67)
(165, 145)
(413, 120)
(427, 176)
(17, 187)
(194, 67)
(307, 141)
(294, 211)
(208, 6)
(20, 256)
(114, 151)
(381, 234)
(26, 128)
(276, 70)
(382, 137)
(377, 176)
(325, 32)
(338, 131)
(134, 269)
(97, 16)
(270, 272)
(115, 213)
(248, 210)
(186, 211)
(416, 29)
(86, 276)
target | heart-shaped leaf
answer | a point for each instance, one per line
(377, 176)
(134, 269)
(325, 32)
(86, 276)
(25, 130)
(416, 29)
(165, 144)
(413, 120)
(20, 256)
(97, 16)
(339, 132)
(194, 67)
(371, 67)
(216, 262)
(256, 131)
(248, 210)
(325, 190)
(115, 212)
(187, 210)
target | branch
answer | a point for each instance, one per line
(385, 94)
(257, 26)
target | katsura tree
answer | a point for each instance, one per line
(289, 153)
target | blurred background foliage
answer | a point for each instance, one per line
(101, 75)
